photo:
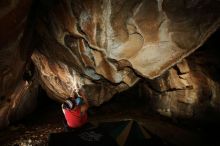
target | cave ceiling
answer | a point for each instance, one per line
(117, 42)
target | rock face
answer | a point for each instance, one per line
(110, 44)
(191, 87)
(17, 97)
(106, 46)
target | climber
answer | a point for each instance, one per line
(75, 110)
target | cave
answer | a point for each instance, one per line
(152, 64)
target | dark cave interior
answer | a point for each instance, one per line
(48, 49)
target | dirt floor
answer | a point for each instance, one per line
(48, 118)
(34, 129)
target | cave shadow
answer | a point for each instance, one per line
(207, 57)
(47, 110)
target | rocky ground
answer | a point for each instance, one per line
(35, 129)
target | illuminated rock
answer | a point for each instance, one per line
(113, 43)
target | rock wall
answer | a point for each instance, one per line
(17, 97)
(191, 87)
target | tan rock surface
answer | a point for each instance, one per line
(189, 88)
(113, 41)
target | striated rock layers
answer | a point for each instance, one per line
(110, 44)
(106, 46)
